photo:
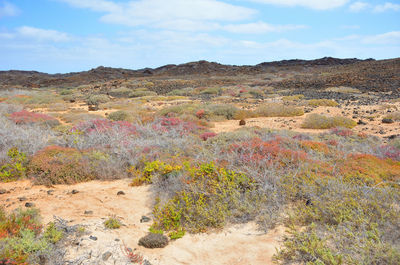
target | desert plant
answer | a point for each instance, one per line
(122, 92)
(14, 169)
(322, 102)
(119, 115)
(317, 121)
(112, 223)
(97, 99)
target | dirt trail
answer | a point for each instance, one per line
(238, 244)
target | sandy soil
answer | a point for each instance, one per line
(374, 127)
(238, 244)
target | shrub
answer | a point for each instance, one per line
(97, 99)
(26, 117)
(317, 121)
(277, 110)
(119, 115)
(211, 91)
(19, 236)
(152, 169)
(207, 197)
(15, 169)
(62, 165)
(207, 135)
(293, 98)
(322, 102)
(112, 223)
(122, 92)
(52, 233)
(188, 91)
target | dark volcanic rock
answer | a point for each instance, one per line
(389, 121)
(153, 241)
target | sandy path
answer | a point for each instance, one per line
(238, 244)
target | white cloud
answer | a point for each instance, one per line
(7, 10)
(385, 38)
(260, 27)
(42, 34)
(313, 4)
(387, 6)
(154, 12)
(359, 6)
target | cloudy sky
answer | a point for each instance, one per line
(74, 35)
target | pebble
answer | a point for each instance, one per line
(120, 193)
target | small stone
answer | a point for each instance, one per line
(242, 123)
(361, 122)
(153, 241)
(120, 193)
(22, 199)
(145, 219)
(88, 212)
(74, 191)
(93, 238)
(3, 191)
(117, 240)
(29, 204)
(106, 255)
(382, 132)
(388, 121)
(50, 192)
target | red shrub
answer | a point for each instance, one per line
(388, 151)
(207, 135)
(271, 151)
(342, 132)
(167, 124)
(200, 114)
(102, 126)
(61, 165)
(26, 117)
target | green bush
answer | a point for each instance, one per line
(317, 121)
(322, 102)
(119, 115)
(52, 234)
(97, 99)
(211, 91)
(16, 168)
(112, 223)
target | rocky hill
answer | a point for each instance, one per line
(365, 74)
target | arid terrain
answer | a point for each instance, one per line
(289, 162)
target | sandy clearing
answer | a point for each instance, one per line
(236, 244)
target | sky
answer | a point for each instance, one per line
(59, 36)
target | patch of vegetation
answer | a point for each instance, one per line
(322, 102)
(15, 168)
(97, 99)
(293, 98)
(112, 223)
(119, 115)
(317, 121)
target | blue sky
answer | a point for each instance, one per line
(74, 35)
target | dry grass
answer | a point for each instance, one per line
(322, 102)
(317, 121)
